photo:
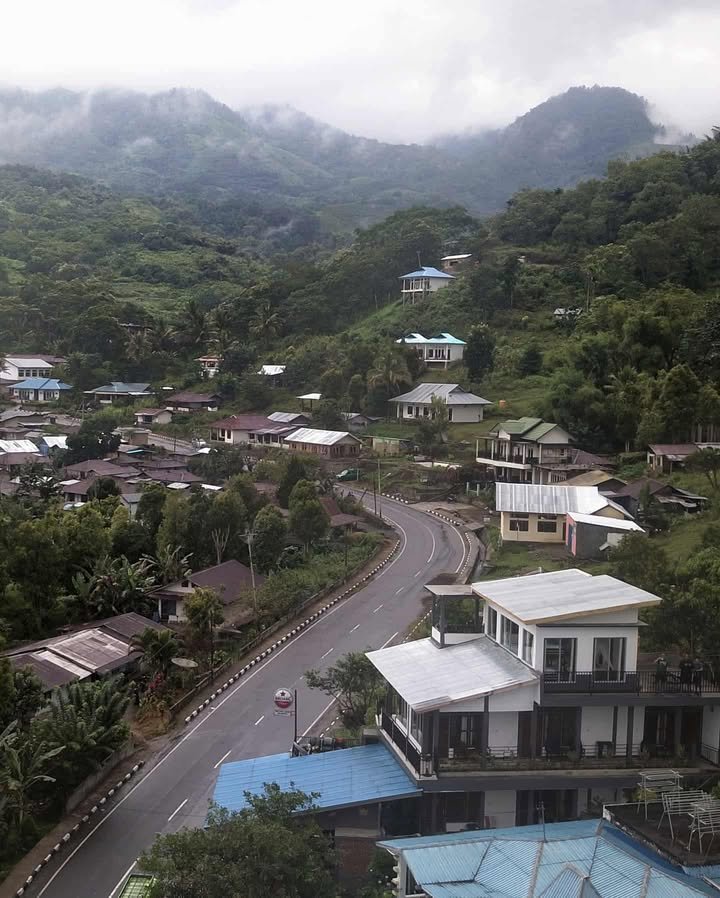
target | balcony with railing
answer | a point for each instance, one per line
(638, 682)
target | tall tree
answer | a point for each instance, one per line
(479, 352)
(270, 531)
(354, 682)
(308, 519)
(204, 612)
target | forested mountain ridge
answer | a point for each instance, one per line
(234, 163)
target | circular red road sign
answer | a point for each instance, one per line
(283, 699)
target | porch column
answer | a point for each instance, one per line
(614, 727)
(476, 615)
(677, 728)
(442, 623)
(630, 731)
(435, 738)
(533, 730)
(485, 726)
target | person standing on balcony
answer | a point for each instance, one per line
(661, 667)
(698, 671)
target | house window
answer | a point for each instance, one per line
(450, 411)
(519, 523)
(410, 410)
(547, 523)
(609, 658)
(491, 623)
(416, 726)
(559, 659)
(509, 633)
(527, 648)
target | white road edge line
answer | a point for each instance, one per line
(222, 759)
(122, 879)
(327, 653)
(357, 626)
(243, 682)
(181, 805)
(432, 552)
(259, 720)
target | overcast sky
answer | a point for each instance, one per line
(392, 69)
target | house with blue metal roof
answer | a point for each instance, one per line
(440, 350)
(417, 285)
(39, 389)
(361, 794)
(582, 859)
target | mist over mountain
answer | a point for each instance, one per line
(183, 142)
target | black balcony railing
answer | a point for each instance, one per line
(645, 682)
(398, 735)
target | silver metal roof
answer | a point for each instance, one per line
(450, 589)
(452, 394)
(18, 446)
(545, 499)
(319, 437)
(286, 417)
(598, 521)
(561, 595)
(429, 677)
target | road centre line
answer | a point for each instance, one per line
(326, 653)
(222, 759)
(356, 627)
(181, 805)
(377, 609)
(243, 682)
(398, 591)
(259, 720)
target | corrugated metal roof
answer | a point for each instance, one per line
(18, 446)
(426, 392)
(310, 396)
(456, 256)
(532, 498)
(343, 778)
(609, 523)
(28, 361)
(558, 595)
(41, 383)
(427, 272)
(119, 388)
(582, 859)
(286, 417)
(55, 442)
(429, 677)
(444, 337)
(272, 370)
(319, 437)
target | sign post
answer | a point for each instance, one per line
(286, 706)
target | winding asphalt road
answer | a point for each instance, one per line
(175, 787)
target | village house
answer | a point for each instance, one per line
(150, 416)
(209, 365)
(39, 389)
(118, 391)
(528, 695)
(97, 650)
(14, 462)
(250, 430)
(193, 402)
(665, 457)
(592, 535)
(526, 450)
(357, 421)
(672, 498)
(457, 262)
(231, 580)
(417, 285)
(19, 367)
(328, 443)
(440, 350)
(292, 419)
(462, 407)
(530, 513)
(607, 483)
(97, 467)
(274, 373)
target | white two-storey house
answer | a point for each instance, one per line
(528, 694)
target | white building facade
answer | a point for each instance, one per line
(439, 351)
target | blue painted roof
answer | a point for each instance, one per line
(581, 859)
(41, 383)
(428, 272)
(346, 777)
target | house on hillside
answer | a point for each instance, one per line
(148, 416)
(20, 367)
(532, 513)
(671, 497)
(591, 535)
(97, 467)
(251, 430)
(356, 421)
(417, 285)
(100, 649)
(338, 518)
(454, 263)
(294, 419)
(605, 482)
(231, 580)
(209, 365)
(193, 402)
(526, 450)
(309, 399)
(327, 443)
(119, 391)
(463, 407)
(527, 702)
(39, 389)
(14, 462)
(665, 457)
(440, 350)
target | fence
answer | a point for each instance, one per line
(88, 784)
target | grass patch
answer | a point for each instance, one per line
(684, 536)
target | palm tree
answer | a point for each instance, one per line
(157, 648)
(221, 331)
(624, 390)
(169, 565)
(23, 765)
(192, 325)
(390, 370)
(265, 323)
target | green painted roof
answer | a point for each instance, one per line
(137, 886)
(539, 430)
(518, 426)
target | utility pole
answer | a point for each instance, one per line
(249, 537)
(379, 489)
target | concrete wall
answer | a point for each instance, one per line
(531, 535)
(711, 727)
(500, 808)
(596, 726)
(503, 729)
(585, 642)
